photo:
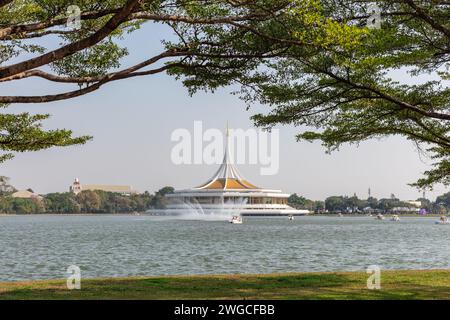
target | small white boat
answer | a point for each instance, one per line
(443, 220)
(291, 217)
(236, 220)
(395, 218)
(379, 217)
(340, 214)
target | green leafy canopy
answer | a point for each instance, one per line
(314, 63)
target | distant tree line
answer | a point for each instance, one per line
(335, 204)
(88, 201)
(98, 201)
(300, 202)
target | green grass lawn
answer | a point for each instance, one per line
(426, 284)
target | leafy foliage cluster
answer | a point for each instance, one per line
(300, 202)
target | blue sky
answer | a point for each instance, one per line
(132, 121)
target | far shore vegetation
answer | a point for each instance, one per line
(102, 202)
(395, 285)
(353, 204)
(89, 201)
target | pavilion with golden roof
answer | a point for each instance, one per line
(228, 190)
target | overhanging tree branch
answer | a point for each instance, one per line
(69, 49)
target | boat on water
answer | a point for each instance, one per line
(395, 218)
(379, 217)
(340, 215)
(443, 220)
(291, 217)
(236, 220)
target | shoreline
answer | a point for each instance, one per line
(68, 214)
(395, 284)
(406, 215)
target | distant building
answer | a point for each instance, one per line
(227, 191)
(25, 194)
(405, 210)
(368, 210)
(77, 187)
(414, 203)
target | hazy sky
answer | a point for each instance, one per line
(132, 121)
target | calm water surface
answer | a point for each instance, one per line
(40, 247)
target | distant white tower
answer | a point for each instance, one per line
(75, 187)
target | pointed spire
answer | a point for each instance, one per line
(227, 159)
(227, 177)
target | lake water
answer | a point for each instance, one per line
(40, 247)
